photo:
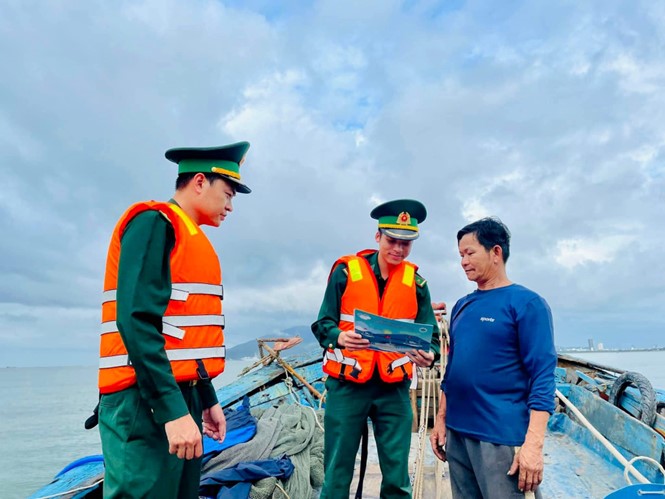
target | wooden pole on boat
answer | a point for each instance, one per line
(262, 360)
(413, 395)
(292, 371)
(639, 476)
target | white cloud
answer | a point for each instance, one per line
(375, 200)
(571, 253)
(297, 296)
(473, 209)
(14, 137)
(76, 327)
(274, 110)
(360, 139)
(340, 65)
(636, 76)
(479, 204)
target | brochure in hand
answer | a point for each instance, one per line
(390, 335)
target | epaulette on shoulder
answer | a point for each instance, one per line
(420, 281)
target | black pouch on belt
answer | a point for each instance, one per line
(93, 420)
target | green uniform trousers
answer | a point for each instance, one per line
(348, 405)
(136, 451)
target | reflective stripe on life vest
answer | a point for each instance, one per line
(179, 291)
(172, 355)
(398, 363)
(171, 324)
(338, 356)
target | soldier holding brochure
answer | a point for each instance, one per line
(364, 383)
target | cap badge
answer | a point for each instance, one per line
(404, 218)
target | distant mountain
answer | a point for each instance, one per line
(251, 348)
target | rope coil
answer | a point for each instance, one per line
(627, 467)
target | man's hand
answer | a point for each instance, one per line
(421, 357)
(184, 437)
(529, 458)
(352, 341)
(439, 306)
(529, 461)
(438, 438)
(214, 423)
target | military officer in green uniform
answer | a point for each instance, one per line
(364, 383)
(162, 331)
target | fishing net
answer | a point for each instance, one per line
(301, 439)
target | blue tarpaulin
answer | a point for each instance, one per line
(235, 482)
(240, 427)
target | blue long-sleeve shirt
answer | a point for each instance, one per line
(500, 365)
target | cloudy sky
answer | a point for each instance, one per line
(549, 115)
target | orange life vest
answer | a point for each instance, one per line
(193, 322)
(362, 293)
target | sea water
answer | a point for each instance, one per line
(649, 363)
(42, 411)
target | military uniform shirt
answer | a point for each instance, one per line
(144, 290)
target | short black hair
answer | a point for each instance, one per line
(490, 232)
(184, 179)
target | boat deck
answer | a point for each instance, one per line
(434, 489)
(571, 470)
(434, 483)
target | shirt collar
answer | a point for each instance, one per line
(373, 260)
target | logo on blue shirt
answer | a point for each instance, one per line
(487, 319)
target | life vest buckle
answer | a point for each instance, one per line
(201, 370)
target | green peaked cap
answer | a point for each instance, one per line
(399, 219)
(223, 160)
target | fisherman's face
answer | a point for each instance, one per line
(477, 262)
(216, 201)
(393, 251)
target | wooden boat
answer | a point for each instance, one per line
(592, 442)
(588, 444)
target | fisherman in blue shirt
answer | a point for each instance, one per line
(498, 388)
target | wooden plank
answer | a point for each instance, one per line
(253, 381)
(565, 360)
(619, 428)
